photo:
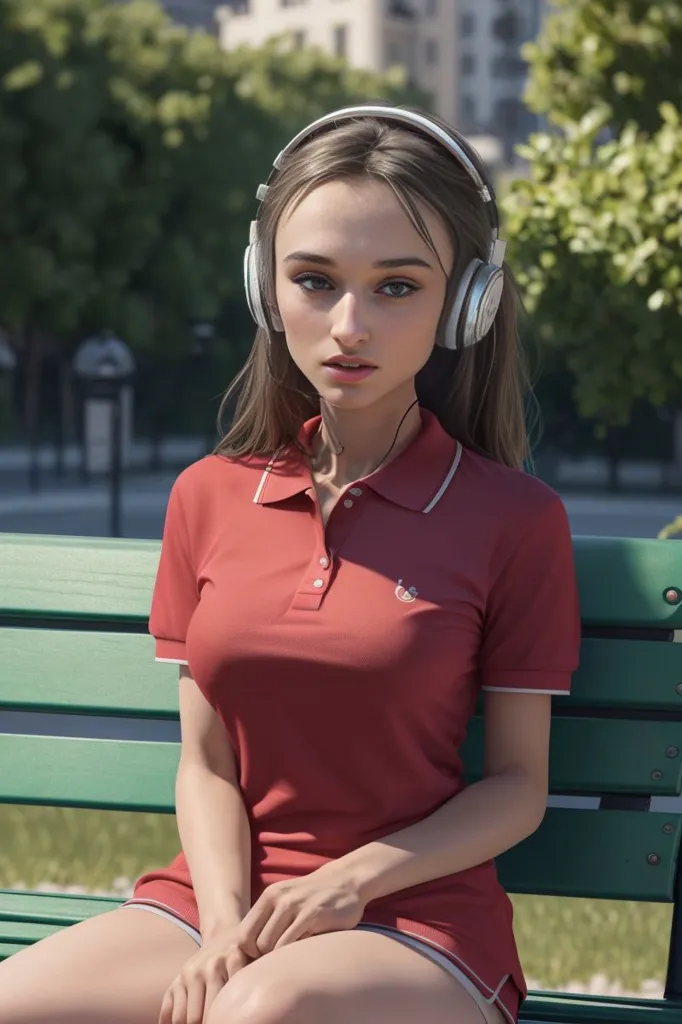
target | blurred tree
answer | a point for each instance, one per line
(297, 85)
(131, 153)
(597, 230)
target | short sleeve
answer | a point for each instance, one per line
(175, 595)
(531, 638)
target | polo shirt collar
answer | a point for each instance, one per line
(417, 479)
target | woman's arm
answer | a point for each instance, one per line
(479, 823)
(212, 820)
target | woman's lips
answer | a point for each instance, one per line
(347, 374)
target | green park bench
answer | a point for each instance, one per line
(74, 641)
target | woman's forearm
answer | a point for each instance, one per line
(216, 840)
(477, 825)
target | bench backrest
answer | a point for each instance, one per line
(73, 639)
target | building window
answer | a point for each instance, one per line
(468, 112)
(290, 3)
(431, 8)
(431, 51)
(299, 39)
(341, 40)
(467, 25)
(508, 66)
(468, 64)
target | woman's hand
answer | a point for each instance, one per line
(202, 977)
(323, 901)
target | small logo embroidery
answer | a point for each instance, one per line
(405, 594)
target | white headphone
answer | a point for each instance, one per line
(480, 290)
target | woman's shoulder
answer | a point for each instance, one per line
(209, 478)
(506, 487)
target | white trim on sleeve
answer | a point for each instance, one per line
(518, 689)
(172, 661)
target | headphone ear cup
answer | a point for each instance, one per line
(252, 286)
(475, 306)
(482, 304)
(451, 338)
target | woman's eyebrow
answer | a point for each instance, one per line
(325, 261)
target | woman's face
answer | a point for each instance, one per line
(355, 280)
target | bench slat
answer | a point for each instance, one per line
(52, 908)
(82, 577)
(108, 774)
(597, 755)
(622, 580)
(115, 673)
(587, 756)
(85, 673)
(627, 674)
(600, 854)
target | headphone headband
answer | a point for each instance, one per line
(458, 147)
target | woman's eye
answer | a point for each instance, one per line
(394, 291)
(312, 280)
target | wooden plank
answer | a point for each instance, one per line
(72, 772)
(626, 674)
(601, 755)
(52, 908)
(622, 581)
(82, 577)
(7, 949)
(561, 1008)
(85, 673)
(587, 756)
(115, 673)
(600, 854)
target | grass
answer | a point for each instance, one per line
(561, 941)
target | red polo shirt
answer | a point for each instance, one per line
(345, 661)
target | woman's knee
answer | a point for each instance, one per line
(255, 997)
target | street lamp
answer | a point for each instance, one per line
(105, 366)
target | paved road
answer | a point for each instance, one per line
(84, 511)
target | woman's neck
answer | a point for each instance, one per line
(352, 444)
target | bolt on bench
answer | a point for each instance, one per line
(73, 640)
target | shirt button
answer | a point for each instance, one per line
(348, 504)
(318, 583)
(356, 491)
(324, 562)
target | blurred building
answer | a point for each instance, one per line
(419, 35)
(492, 73)
(194, 13)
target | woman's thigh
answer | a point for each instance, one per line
(349, 977)
(110, 969)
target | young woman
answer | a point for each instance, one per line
(360, 558)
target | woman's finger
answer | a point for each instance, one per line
(236, 960)
(300, 927)
(215, 979)
(179, 1012)
(166, 1012)
(196, 995)
(252, 925)
(281, 919)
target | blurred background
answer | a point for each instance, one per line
(133, 136)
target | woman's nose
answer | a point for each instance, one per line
(349, 324)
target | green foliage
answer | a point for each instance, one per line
(131, 150)
(295, 86)
(597, 229)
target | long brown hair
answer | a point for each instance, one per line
(478, 394)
